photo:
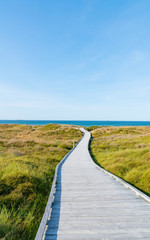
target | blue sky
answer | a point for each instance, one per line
(75, 60)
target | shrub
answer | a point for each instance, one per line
(27, 166)
(124, 151)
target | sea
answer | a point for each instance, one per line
(78, 123)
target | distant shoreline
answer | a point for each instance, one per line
(85, 123)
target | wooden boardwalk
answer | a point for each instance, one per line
(91, 205)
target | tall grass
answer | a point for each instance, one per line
(28, 157)
(124, 151)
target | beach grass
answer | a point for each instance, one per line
(125, 152)
(28, 157)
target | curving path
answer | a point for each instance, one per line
(91, 205)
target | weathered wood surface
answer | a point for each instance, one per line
(91, 205)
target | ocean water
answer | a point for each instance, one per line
(78, 123)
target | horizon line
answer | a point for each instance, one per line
(77, 120)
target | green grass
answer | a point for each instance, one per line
(28, 157)
(125, 152)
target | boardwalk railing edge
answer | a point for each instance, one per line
(118, 179)
(42, 227)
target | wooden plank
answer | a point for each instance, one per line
(90, 204)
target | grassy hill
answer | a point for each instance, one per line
(124, 151)
(28, 157)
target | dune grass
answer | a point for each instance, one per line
(125, 152)
(28, 157)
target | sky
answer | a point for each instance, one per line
(75, 60)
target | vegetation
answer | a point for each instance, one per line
(28, 157)
(125, 152)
